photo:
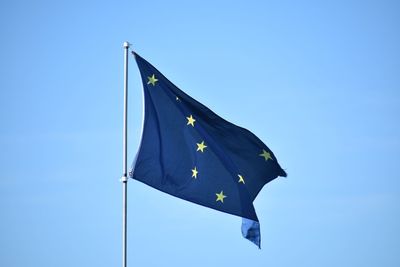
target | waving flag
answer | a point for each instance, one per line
(191, 153)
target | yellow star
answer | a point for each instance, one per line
(220, 197)
(266, 155)
(152, 80)
(241, 179)
(191, 120)
(201, 146)
(194, 172)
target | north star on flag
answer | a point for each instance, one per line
(190, 152)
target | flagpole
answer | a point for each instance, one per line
(124, 178)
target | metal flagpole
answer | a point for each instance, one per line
(124, 178)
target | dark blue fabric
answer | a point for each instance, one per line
(169, 152)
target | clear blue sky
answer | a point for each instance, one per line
(317, 81)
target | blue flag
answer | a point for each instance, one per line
(190, 152)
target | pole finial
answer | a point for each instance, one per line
(126, 45)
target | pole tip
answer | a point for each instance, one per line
(126, 44)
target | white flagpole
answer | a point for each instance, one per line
(124, 178)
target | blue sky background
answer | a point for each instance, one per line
(317, 81)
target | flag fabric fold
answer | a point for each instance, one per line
(191, 153)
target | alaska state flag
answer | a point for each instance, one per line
(190, 152)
